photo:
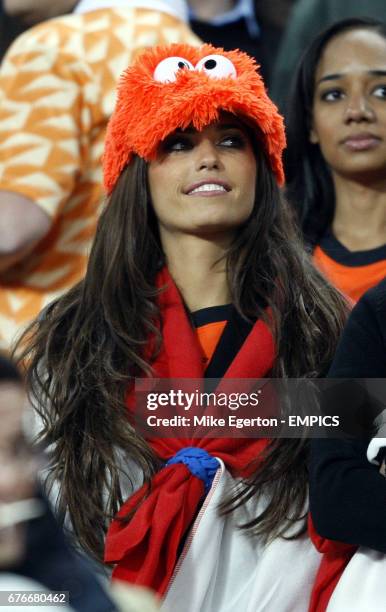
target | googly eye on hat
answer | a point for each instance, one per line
(166, 71)
(217, 66)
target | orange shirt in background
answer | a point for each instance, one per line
(57, 92)
(352, 272)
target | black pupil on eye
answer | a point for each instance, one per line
(210, 64)
(182, 65)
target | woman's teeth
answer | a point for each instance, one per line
(208, 187)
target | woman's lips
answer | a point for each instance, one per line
(361, 142)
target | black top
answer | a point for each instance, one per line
(347, 493)
(361, 352)
(211, 314)
(231, 340)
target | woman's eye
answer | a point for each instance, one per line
(380, 91)
(234, 141)
(331, 95)
(177, 144)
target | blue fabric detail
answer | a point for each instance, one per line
(199, 462)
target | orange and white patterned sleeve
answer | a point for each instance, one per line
(43, 117)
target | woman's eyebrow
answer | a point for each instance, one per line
(223, 127)
(219, 126)
(188, 130)
(330, 77)
(230, 126)
(339, 75)
(377, 73)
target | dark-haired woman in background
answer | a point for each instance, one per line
(336, 157)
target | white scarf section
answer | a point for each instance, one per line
(362, 586)
(176, 8)
(223, 569)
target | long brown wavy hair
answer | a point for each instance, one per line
(87, 346)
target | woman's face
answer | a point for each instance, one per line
(349, 107)
(203, 183)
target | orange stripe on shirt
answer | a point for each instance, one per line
(353, 281)
(209, 336)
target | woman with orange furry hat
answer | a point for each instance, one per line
(196, 272)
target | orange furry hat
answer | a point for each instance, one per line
(176, 86)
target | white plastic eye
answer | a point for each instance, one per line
(167, 70)
(217, 66)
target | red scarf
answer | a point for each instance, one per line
(145, 550)
(336, 556)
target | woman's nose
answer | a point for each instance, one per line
(207, 156)
(358, 109)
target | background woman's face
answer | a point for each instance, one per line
(349, 107)
(204, 182)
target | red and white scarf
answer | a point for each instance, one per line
(145, 550)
